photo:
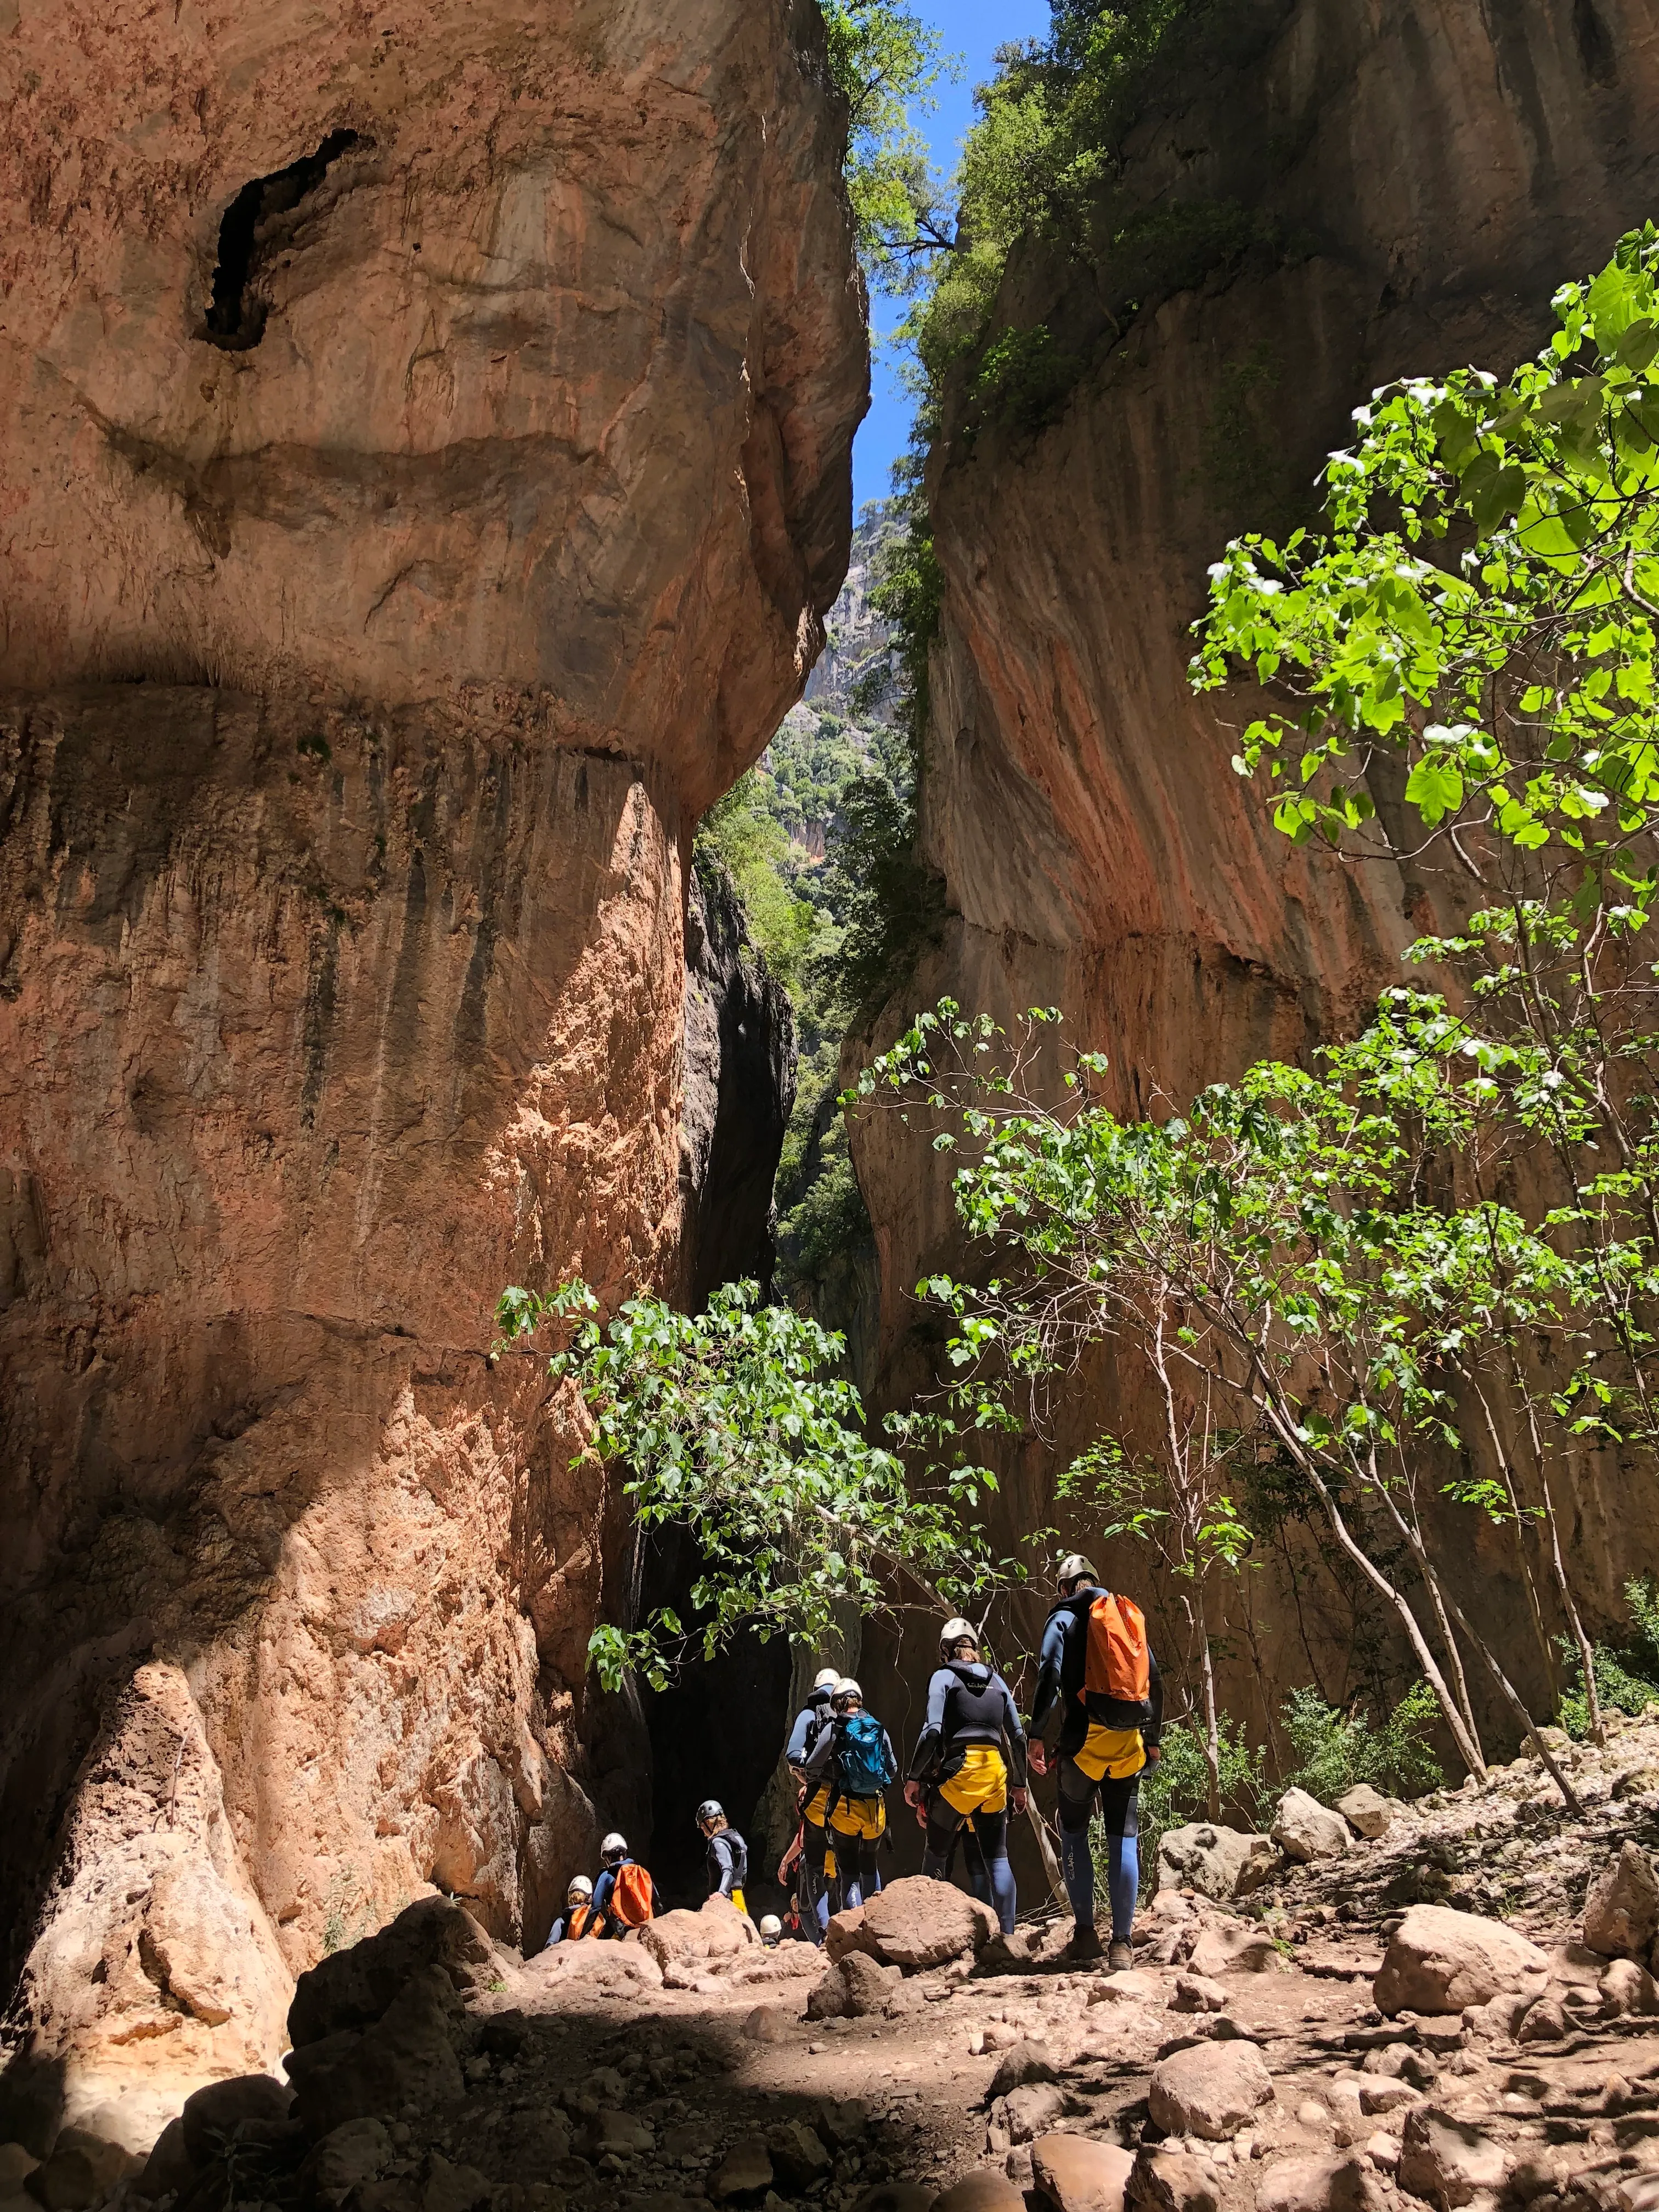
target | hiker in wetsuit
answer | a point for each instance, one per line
(728, 1854)
(970, 1758)
(625, 1896)
(812, 1888)
(855, 1756)
(578, 1917)
(1100, 1699)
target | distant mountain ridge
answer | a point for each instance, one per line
(858, 640)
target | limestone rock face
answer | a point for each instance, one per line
(1441, 173)
(424, 446)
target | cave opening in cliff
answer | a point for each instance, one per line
(236, 314)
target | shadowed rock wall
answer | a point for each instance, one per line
(1422, 179)
(424, 447)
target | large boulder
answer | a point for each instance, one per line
(1026, 2062)
(1440, 1961)
(915, 1922)
(1621, 1913)
(353, 1988)
(1448, 2161)
(685, 1943)
(1367, 1811)
(857, 1987)
(407, 2058)
(1221, 1862)
(1211, 2089)
(1073, 2174)
(211, 2115)
(1165, 2180)
(1304, 1829)
(989, 2190)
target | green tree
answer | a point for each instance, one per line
(885, 62)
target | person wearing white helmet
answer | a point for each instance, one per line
(970, 1764)
(625, 1896)
(854, 1758)
(728, 1854)
(808, 1846)
(578, 1918)
(771, 1930)
(1099, 1705)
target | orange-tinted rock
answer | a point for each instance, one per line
(470, 525)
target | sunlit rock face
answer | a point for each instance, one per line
(424, 437)
(1417, 181)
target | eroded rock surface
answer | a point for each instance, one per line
(423, 442)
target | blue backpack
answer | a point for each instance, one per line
(863, 1765)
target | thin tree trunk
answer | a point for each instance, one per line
(1211, 1720)
(1557, 1562)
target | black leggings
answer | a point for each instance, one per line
(989, 1831)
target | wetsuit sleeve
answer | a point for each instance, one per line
(555, 1935)
(795, 1750)
(892, 1757)
(933, 1730)
(823, 1751)
(1048, 1710)
(721, 1850)
(602, 1889)
(1014, 1736)
(1153, 1731)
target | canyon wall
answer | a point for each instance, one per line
(424, 460)
(1416, 180)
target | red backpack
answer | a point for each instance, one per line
(630, 1895)
(1116, 1665)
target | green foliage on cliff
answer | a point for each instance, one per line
(735, 1424)
(885, 62)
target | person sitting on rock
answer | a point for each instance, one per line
(812, 1718)
(855, 1755)
(1100, 1695)
(971, 1763)
(578, 1917)
(728, 1854)
(625, 1897)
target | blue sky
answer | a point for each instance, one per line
(973, 29)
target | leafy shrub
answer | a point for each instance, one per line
(1627, 1678)
(1335, 1750)
(1177, 1789)
(1024, 379)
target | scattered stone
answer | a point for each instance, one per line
(799, 2158)
(452, 2188)
(1324, 2182)
(623, 2135)
(1625, 1987)
(405, 2058)
(987, 2190)
(357, 2151)
(1073, 2174)
(914, 1924)
(768, 2023)
(1210, 2090)
(896, 2196)
(1621, 1913)
(1448, 2159)
(1546, 2022)
(1304, 1829)
(1233, 1948)
(1165, 2180)
(1026, 2062)
(1194, 1993)
(1031, 2112)
(1220, 1862)
(1313, 2115)
(1383, 2151)
(842, 2123)
(746, 2171)
(1368, 1811)
(1128, 1985)
(857, 1987)
(1383, 2093)
(1441, 1961)
(211, 2114)
(169, 2170)
(81, 2172)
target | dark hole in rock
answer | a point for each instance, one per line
(236, 314)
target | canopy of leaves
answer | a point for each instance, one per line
(885, 62)
(735, 1424)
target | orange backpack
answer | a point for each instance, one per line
(630, 1896)
(1117, 1664)
(581, 1922)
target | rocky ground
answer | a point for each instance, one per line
(1458, 2010)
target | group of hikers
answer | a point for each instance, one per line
(1097, 1718)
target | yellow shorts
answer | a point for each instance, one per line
(980, 1784)
(860, 1816)
(1117, 1751)
(816, 1807)
(737, 1900)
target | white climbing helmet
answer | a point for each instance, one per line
(845, 1687)
(770, 1925)
(1075, 1568)
(955, 1632)
(825, 1679)
(580, 1886)
(613, 1848)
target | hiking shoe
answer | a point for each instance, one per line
(1121, 1956)
(1085, 1944)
